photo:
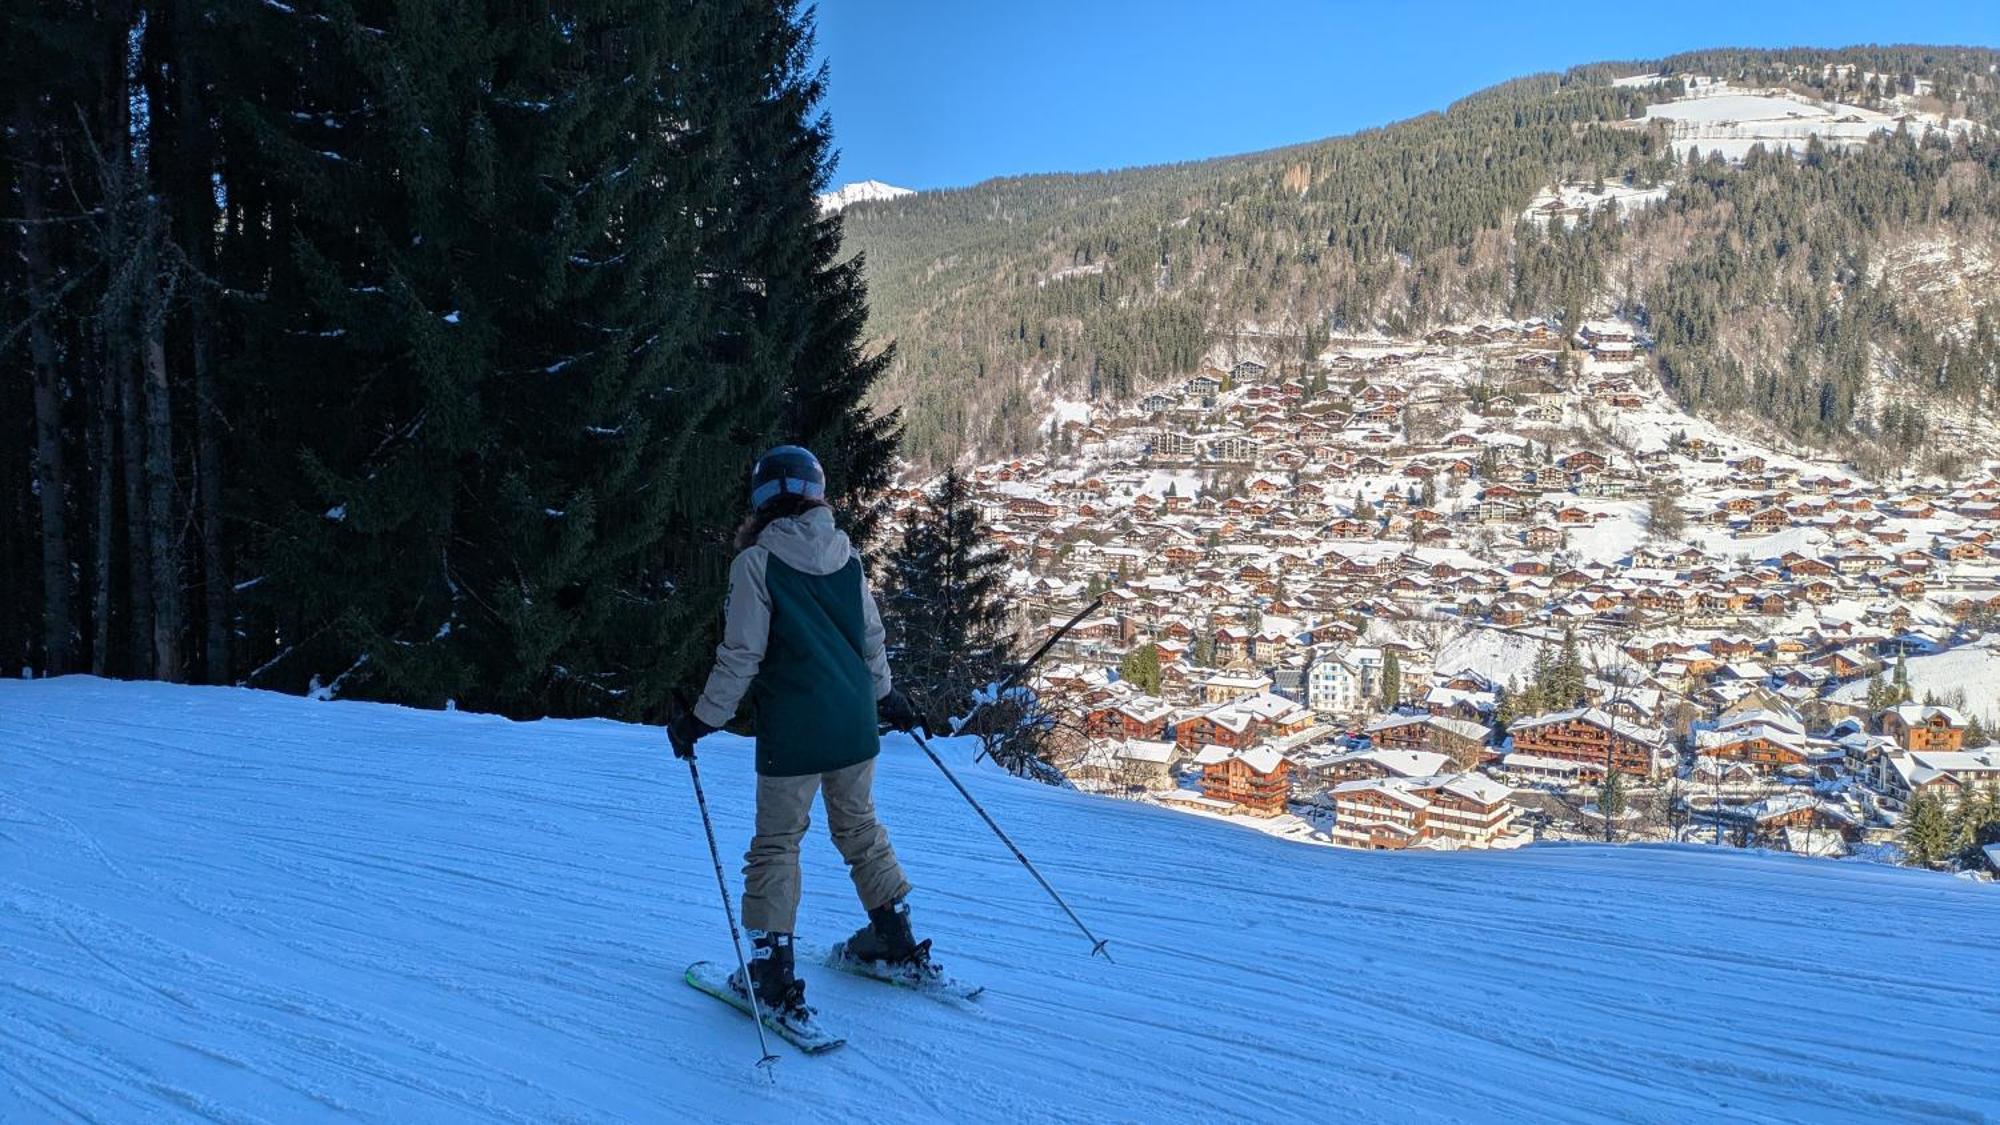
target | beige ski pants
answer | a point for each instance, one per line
(784, 812)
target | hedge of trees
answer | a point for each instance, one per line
(416, 351)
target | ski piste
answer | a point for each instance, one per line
(935, 982)
(813, 1038)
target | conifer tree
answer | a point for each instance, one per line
(1531, 701)
(1141, 668)
(1570, 684)
(1975, 733)
(1880, 698)
(504, 390)
(1542, 671)
(943, 604)
(1611, 801)
(1392, 680)
(1928, 836)
(1506, 706)
(1975, 820)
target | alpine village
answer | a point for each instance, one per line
(1565, 612)
(1489, 585)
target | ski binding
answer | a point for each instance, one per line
(920, 975)
(808, 1035)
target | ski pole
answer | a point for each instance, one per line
(1042, 650)
(1096, 945)
(735, 936)
(1022, 669)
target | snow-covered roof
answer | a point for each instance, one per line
(1478, 787)
(1401, 794)
(1263, 759)
(1147, 750)
(1521, 760)
(1624, 728)
(1917, 714)
(1407, 763)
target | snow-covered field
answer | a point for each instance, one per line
(227, 905)
(1717, 117)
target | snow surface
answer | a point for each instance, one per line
(1734, 107)
(218, 904)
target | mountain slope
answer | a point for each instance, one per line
(1006, 294)
(222, 904)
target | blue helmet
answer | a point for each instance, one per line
(786, 470)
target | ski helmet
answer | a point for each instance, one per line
(786, 469)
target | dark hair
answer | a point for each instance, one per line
(780, 507)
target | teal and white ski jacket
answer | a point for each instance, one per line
(802, 637)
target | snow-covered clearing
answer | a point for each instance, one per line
(1738, 108)
(1504, 656)
(1717, 117)
(227, 905)
(1613, 537)
(1973, 669)
(1572, 200)
(1063, 411)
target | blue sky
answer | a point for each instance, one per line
(940, 93)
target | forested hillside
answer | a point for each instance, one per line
(1762, 278)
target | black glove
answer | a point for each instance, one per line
(897, 713)
(684, 730)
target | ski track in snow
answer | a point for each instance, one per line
(228, 905)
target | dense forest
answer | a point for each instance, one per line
(411, 350)
(1094, 286)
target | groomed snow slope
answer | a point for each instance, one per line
(227, 905)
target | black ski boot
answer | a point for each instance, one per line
(779, 991)
(887, 938)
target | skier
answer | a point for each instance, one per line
(802, 636)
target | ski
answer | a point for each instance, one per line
(809, 1036)
(927, 978)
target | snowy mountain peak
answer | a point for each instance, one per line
(866, 191)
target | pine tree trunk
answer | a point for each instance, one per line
(123, 374)
(196, 224)
(59, 634)
(52, 488)
(138, 563)
(124, 274)
(208, 483)
(105, 488)
(162, 546)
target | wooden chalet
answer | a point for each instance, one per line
(1915, 726)
(1591, 737)
(1257, 781)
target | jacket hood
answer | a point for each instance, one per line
(808, 542)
